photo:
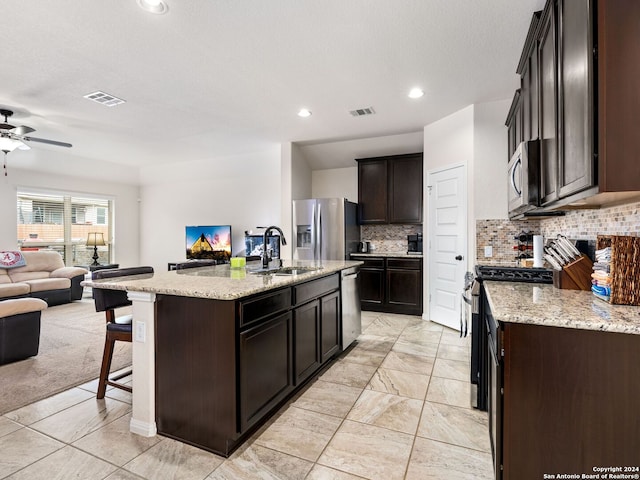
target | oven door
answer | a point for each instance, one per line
(523, 177)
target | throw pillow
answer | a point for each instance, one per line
(12, 259)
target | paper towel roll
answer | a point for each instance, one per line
(538, 250)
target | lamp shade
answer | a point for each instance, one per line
(9, 144)
(95, 239)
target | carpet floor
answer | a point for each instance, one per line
(71, 345)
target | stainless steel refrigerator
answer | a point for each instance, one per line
(325, 229)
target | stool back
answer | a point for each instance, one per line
(106, 299)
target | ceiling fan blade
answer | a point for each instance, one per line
(23, 130)
(44, 140)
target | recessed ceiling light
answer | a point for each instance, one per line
(416, 93)
(304, 113)
(153, 6)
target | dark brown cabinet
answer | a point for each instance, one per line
(222, 366)
(514, 124)
(390, 189)
(391, 285)
(572, 395)
(585, 59)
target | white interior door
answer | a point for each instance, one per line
(447, 244)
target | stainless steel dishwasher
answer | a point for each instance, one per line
(351, 321)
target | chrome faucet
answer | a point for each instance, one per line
(265, 243)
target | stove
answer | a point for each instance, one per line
(514, 274)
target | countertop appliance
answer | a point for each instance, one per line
(325, 229)
(414, 243)
(523, 177)
(364, 247)
(485, 345)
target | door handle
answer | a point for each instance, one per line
(459, 258)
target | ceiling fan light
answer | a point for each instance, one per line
(416, 93)
(304, 113)
(8, 144)
(153, 6)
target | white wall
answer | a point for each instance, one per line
(335, 183)
(125, 201)
(490, 160)
(243, 191)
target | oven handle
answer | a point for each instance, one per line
(464, 321)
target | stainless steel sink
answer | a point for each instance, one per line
(293, 270)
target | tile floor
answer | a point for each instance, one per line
(396, 406)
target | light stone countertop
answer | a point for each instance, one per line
(516, 302)
(218, 282)
(387, 254)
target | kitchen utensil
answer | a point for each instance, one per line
(555, 255)
(569, 245)
(560, 252)
(566, 253)
(552, 261)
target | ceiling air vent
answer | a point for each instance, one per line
(361, 112)
(104, 99)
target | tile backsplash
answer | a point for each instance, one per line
(576, 225)
(388, 238)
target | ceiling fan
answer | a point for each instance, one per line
(12, 137)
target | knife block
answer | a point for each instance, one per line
(575, 275)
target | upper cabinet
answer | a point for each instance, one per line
(579, 96)
(390, 189)
(514, 124)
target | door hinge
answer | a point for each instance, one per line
(501, 391)
(502, 352)
(429, 187)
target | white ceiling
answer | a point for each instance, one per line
(219, 77)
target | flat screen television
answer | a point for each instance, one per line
(209, 242)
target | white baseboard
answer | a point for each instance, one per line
(144, 429)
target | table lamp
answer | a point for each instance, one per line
(95, 240)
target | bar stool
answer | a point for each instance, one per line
(119, 328)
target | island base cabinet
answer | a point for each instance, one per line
(196, 371)
(570, 401)
(265, 368)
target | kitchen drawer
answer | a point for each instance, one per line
(264, 306)
(409, 263)
(372, 262)
(315, 288)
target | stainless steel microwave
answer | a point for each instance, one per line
(524, 179)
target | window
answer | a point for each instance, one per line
(62, 222)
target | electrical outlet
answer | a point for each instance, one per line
(488, 251)
(141, 332)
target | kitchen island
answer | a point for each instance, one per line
(564, 383)
(216, 350)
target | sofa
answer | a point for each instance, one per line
(42, 275)
(20, 328)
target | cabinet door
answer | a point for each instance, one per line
(265, 368)
(575, 101)
(306, 346)
(404, 290)
(405, 189)
(547, 111)
(372, 191)
(329, 326)
(372, 282)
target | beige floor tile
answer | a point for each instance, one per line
(459, 426)
(433, 460)
(347, 373)
(452, 369)
(452, 337)
(173, 460)
(451, 392)
(115, 443)
(397, 413)
(408, 362)
(121, 474)
(66, 463)
(23, 447)
(75, 422)
(384, 327)
(364, 356)
(119, 394)
(423, 326)
(380, 343)
(454, 352)
(7, 426)
(299, 432)
(259, 463)
(405, 384)
(368, 451)
(320, 472)
(330, 398)
(416, 346)
(48, 406)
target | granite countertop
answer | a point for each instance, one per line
(219, 282)
(387, 254)
(516, 302)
